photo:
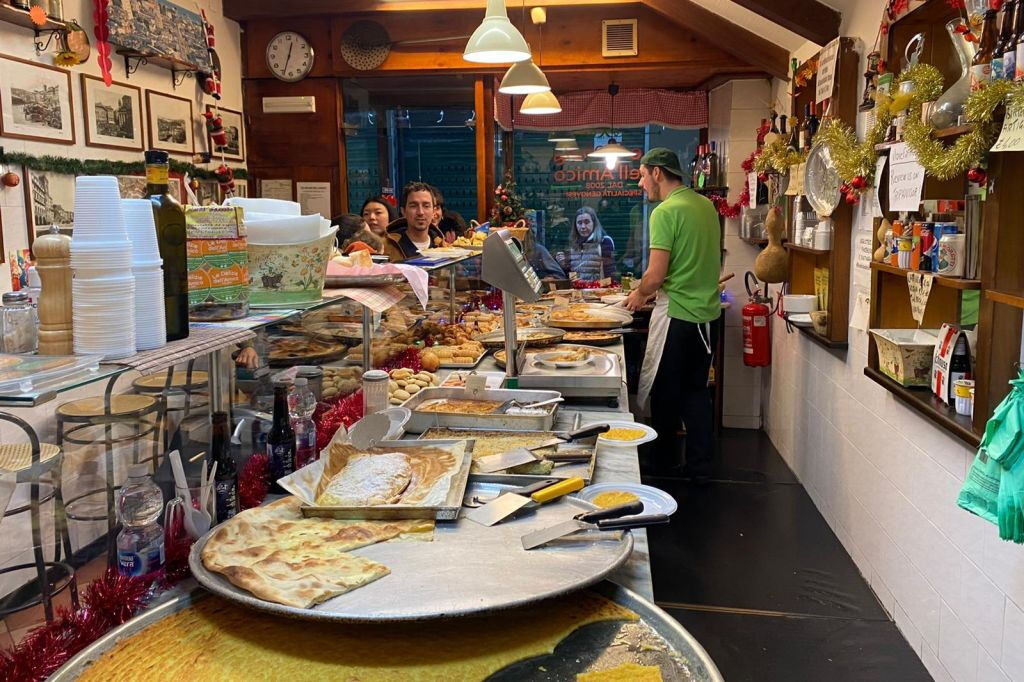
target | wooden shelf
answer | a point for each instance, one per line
(1004, 297)
(948, 282)
(806, 249)
(822, 341)
(952, 131)
(923, 401)
(18, 17)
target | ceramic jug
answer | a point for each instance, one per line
(950, 105)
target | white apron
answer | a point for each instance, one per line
(657, 331)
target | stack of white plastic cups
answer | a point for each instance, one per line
(150, 321)
(103, 289)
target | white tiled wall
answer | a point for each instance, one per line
(735, 111)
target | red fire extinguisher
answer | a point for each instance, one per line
(757, 340)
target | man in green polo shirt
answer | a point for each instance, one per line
(683, 273)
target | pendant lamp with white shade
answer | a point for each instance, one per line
(611, 152)
(496, 40)
(524, 78)
(540, 103)
(567, 146)
(561, 137)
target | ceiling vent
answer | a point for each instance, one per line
(618, 38)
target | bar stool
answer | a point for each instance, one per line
(33, 462)
(189, 382)
(140, 413)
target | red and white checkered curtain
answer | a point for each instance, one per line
(634, 108)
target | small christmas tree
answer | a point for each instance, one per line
(508, 205)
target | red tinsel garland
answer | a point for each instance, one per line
(253, 481)
(106, 603)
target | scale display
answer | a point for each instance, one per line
(505, 267)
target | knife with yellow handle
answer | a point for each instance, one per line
(513, 501)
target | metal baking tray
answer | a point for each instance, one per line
(466, 569)
(496, 339)
(421, 421)
(615, 317)
(656, 639)
(449, 511)
(584, 470)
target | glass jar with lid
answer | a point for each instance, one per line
(18, 327)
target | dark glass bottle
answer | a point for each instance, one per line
(782, 127)
(1013, 67)
(805, 128)
(794, 135)
(981, 65)
(813, 122)
(1005, 39)
(694, 163)
(960, 363)
(774, 128)
(171, 237)
(225, 484)
(281, 441)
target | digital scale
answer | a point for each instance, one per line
(505, 267)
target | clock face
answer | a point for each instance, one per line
(289, 56)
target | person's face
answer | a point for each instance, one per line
(376, 217)
(419, 211)
(649, 184)
(437, 214)
(584, 225)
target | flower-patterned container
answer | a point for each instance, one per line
(289, 274)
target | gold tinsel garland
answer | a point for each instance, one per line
(777, 156)
(857, 159)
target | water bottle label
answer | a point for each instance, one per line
(134, 564)
(227, 499)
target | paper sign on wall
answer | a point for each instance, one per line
(314, 197)
(906, 179)
(826, 71)
(1011, 137)
(276, 189)
(876, 204)
(861, 308)
(920, 285)
(864, 249)
(752, 189)
(796, 180)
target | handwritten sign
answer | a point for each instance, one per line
(826, 71)
(796, 180)
(276, 189)
(864, 250)
(1011, 137)
(920, 285)
(906, 179)
(314, 197)
(752, 188)
(876, 204)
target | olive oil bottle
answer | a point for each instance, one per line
(170, 233)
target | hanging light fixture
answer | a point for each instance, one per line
(567, 146)
(524, 78)
(540, 103)
(496, 40)
(611, 152)
(561, 137)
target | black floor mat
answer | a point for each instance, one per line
(754, 648)
(762, 547)
(743, 455)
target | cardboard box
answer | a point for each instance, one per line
(218, 262)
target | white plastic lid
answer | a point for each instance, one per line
(33, 278)
(375, 375)
(301, 381)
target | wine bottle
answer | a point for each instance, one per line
(1015, 50)
(794, 135)
(981, 65)
(225, 483)
(693, 167)
(813, 123)
(169, 217)
(805, 129)
(712, 166)
(1005, 38)
(281, 441)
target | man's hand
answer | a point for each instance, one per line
(636, 300)
(248, 358)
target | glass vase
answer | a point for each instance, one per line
(949, 107)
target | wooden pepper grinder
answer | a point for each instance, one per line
(53, 261)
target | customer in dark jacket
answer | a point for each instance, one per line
(415, 230)
(592, 252)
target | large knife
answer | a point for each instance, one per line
(615, 518)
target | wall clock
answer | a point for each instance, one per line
(289, 56)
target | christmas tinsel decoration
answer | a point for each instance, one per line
(66, 166)
(254, 482)
(107, 602)
(777, 156)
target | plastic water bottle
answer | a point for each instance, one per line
(140, 544)
(301, 404)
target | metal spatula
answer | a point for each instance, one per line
(617, 518)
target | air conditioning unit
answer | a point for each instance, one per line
(618, 38)
(303, 104)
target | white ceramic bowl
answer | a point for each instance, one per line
(799, 303)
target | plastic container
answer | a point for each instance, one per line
(140, 544)
(375, 391)
(963, 391)
(18, 326)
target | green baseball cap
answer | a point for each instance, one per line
(664, 158)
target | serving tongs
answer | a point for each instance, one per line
(508, 404)
(518, 456)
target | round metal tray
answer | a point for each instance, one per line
(467, 569)
(657, 639)
(496, 339)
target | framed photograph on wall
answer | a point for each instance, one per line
(113, 116)
(134, 186)
(171, 125)
(49, 200)
(234, 129)
(35, 102)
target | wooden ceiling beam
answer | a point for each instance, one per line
(808, 18)
(738, 41)
(241, 10)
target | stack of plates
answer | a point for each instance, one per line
(150, 320)
(103, 289)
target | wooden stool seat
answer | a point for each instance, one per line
(18, 456)
(120, 405)
(158, 381)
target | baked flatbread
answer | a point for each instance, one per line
(277, 555)
(428, 466)
(367, 481)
